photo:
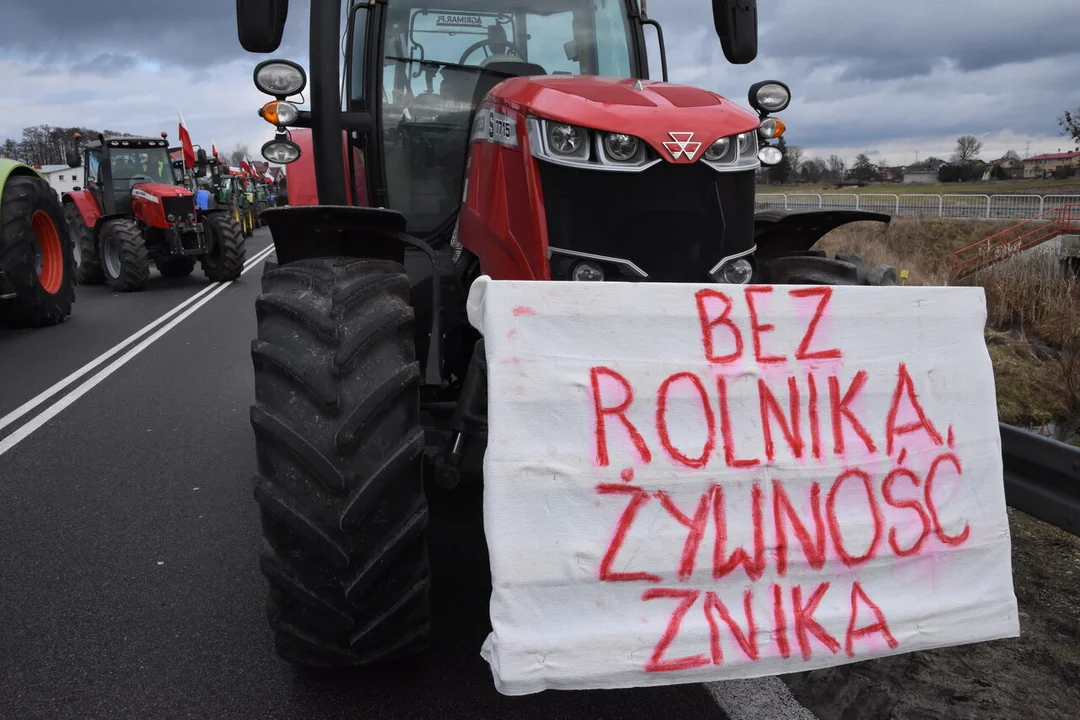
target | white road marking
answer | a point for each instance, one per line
(60, 405)
(34, 402)
(765, 698)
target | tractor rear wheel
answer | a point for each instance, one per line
(36, 254)
(88, 270)
(175, 266)
(123, 252)
(225, 261)
(817, 268)
(339, 449)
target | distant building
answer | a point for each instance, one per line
(1047, 165)
(1008, 167)
(61, 177)
(919, 176)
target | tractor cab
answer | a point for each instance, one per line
(114, 168)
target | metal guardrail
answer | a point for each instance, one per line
(1042, 477)
(954, 207)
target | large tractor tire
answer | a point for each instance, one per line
(815, 267)
(175, 266)
(88, 269)
(225, 261)
(124, 255)
(36, 254)
(340, 448)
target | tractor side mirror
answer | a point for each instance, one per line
(736, 26)
(77, 188)
(74, 159)
(261, 23)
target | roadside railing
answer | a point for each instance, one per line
(1042, 477)
(953, 207)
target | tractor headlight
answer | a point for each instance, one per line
(718, 150)
(747, 142)
(567, 140)
(770, 155)
(771, 128)
(280, 78)
(587, 272)
(736, 272)
(769, 96)
(281, 151)
(620, 146)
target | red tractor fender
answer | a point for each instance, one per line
(86, 204)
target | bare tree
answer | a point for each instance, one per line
(795, 158)
(1070, 125)
(1013, 154)
(813, 170)
(238, 154)
(967, 148)
(836, 168)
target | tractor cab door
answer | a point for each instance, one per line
(94, 180)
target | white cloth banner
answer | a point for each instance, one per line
(694, 483)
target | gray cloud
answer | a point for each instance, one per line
(868, 74)
(193, 34)
(880, 74)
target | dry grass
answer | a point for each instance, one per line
(922, 246)
(1068, 186)
(1033, 310)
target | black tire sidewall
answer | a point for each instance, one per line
(34, 305)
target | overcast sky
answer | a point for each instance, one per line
(887, 77)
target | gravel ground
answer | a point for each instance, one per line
(1035, 676)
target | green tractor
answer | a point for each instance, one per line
(37, 257)
(244, 193)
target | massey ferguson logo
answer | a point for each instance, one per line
(680, 145)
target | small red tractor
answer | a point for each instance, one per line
(551, 156)
(133, 211)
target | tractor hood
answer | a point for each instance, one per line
(656, 112)
(156, 191)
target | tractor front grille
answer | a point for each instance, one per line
(178, 207)
(675, 222)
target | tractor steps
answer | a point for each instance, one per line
(1009, 242)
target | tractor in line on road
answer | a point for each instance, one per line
(516, 139)
(37, 258)
(132, 211)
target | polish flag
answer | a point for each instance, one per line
(185, 141)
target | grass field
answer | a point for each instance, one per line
(1033, 333)
(1070, 186)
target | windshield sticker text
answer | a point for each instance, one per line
(459, 20)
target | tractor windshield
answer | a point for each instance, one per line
(435, 57)
(140, 165)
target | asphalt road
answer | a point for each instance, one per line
(129, 583)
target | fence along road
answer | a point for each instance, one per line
(951, 207)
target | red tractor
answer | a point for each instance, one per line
(132, 211)
(518, 139)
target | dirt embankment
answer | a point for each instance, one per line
(1033, 677)
(1033, 336)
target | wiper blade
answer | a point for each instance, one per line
(440, 63)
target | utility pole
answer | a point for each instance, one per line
(1027, 150)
